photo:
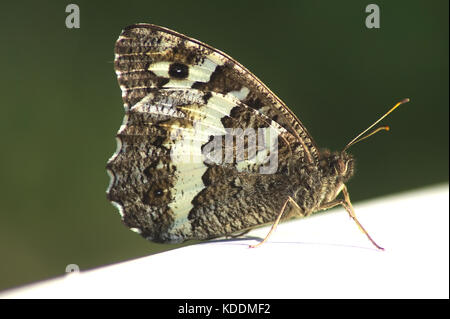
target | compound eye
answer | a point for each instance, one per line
(341, 167)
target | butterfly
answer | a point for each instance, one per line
(206, 150)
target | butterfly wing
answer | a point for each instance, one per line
(148, 57)
(171, 176)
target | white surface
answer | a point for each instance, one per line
(323, 256)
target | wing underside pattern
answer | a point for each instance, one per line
(191, 156)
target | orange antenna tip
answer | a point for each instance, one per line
(361, 136)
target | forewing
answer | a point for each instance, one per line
(149, 56)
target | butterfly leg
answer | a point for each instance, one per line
(235, 235)
(276, 222)
(349, 208)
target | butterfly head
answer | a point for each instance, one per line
(344, 165)
(338, 164)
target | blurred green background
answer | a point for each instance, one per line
(61, 107)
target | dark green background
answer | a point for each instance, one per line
(61, 107)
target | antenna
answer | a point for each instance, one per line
(360, 136)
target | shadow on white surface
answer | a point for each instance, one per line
(322, 256)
